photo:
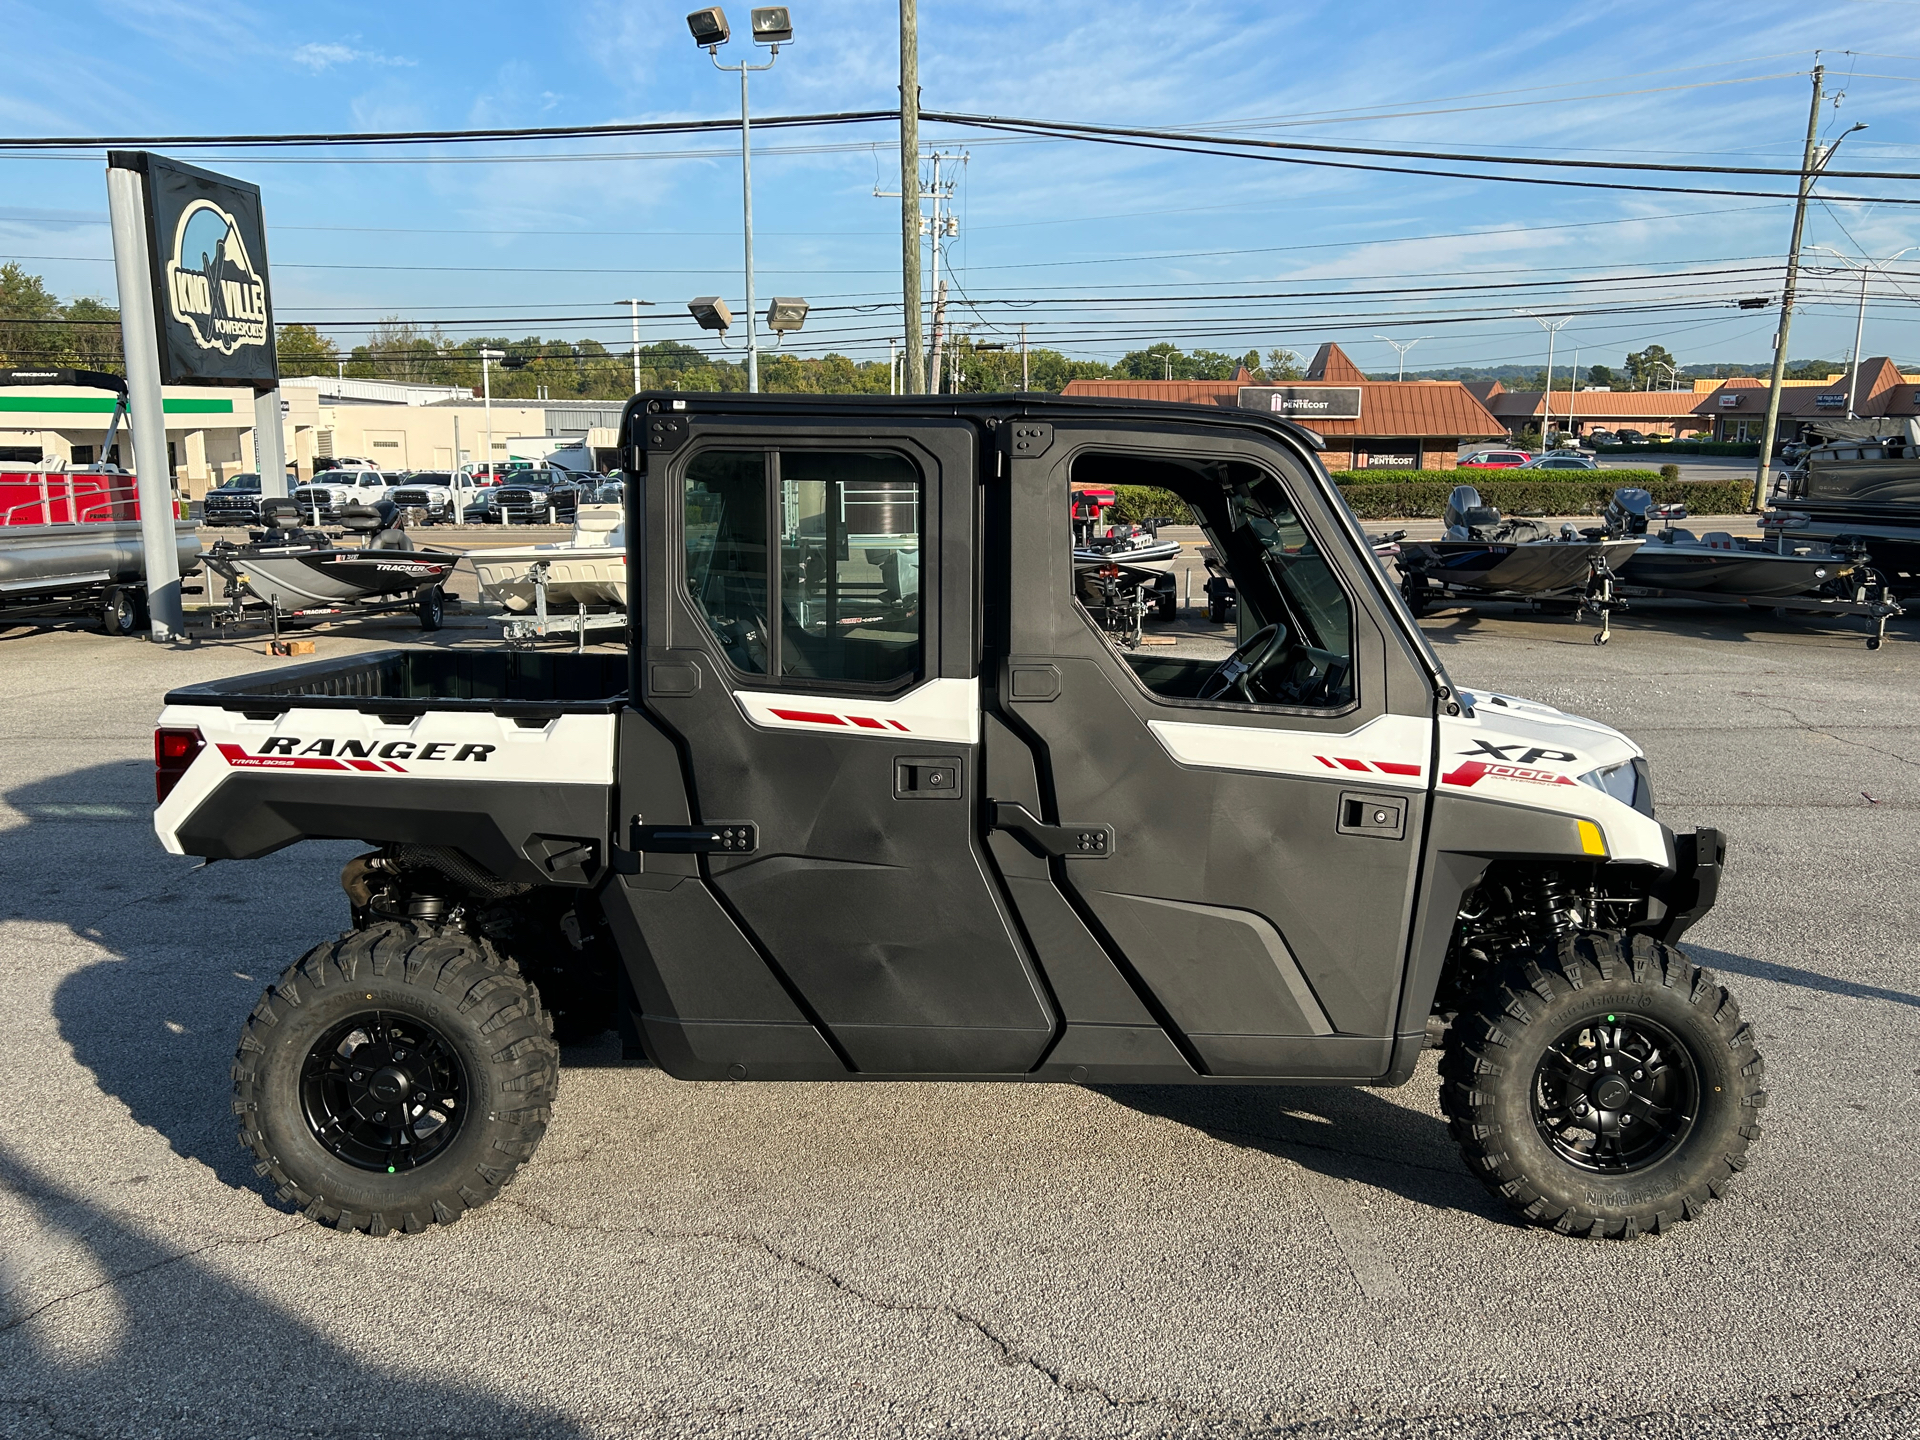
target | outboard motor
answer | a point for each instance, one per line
(1628, 512)
(1467, 512)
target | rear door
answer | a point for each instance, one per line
(1258, 847)
(810, 628)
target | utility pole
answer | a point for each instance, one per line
(910, 196)
(1552, 327)
(1025, 379)
(939, 326)
(1812, 162)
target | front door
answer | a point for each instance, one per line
(812, 649)
(1263, 787)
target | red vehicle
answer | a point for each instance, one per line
(1495, 460)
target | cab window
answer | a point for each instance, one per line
(805, 564)
(1276, 625)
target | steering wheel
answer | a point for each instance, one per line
(1249, 660)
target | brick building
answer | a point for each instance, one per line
(1393, 424)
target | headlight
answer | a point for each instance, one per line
(1628, 782)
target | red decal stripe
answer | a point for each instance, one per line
(1352, 764)
(1469, 771)
(364, 764)
(809, 717)
(237, 757)
(896, 725)
(1395, 767)
(392, 766)
(867, 722)
(1326, 762)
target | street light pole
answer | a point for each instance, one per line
(1552, 327)
(746, 207)
(487, 357)
(635, 305)
(1402, 346)
(1812, 162)
(1865, 267)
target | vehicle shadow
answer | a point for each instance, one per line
(189, 949)
(173, 1346)
(1345, 1134)
(1792, 975)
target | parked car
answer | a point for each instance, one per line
(328, 491)
(1602, 437)
(1562, 461)
(237, 502)
(434, 491)
(499, 472)
(536, 495)
(1631, 437)
(342, 462)
(1496, 460)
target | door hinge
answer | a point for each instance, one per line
(1085, 842)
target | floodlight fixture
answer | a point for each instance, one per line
(772, 25)
(710, 312)
(1756, 302)
(515, 361)
(709, 27)
(787, 312)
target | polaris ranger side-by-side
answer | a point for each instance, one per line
(872, 797)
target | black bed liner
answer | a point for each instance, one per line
(409, 682)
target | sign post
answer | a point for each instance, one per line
(190, 256)
(126, 211)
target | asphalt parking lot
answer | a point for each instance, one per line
(965, 1260)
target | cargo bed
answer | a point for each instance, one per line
(410, 682)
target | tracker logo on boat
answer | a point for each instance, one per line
(213, 288)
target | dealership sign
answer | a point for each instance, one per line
(207, 245)
(1303, 402)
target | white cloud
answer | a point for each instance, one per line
(322, 55)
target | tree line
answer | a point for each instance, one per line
(37, 329)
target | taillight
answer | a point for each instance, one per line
(173, 752)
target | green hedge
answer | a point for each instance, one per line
(1427, 500)
(1748, 448)
(1422, 494)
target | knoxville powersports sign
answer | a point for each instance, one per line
(207, 241)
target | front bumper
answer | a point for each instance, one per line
(1681, 900)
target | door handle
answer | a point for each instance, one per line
(1084, 842)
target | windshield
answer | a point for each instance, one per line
(242, 482)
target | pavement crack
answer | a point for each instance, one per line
(1812, 729)
(1005, 1352)
(147, 1269)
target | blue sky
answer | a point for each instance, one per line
(1082, 232)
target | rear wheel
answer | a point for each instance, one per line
(431, 607)
(1606, 1088)
(395, 1078)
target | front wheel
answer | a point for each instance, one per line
(395, 1078)
(1606, 1088)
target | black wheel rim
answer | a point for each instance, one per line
(1615, 1093)
(383, 1092)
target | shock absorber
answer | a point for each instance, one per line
(1555, 906)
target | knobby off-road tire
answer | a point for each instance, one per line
(435, 1033)
(1599, 998)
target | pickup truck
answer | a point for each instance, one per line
(870, 796)
(433, 492)
(325, 494)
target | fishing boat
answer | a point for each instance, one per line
(1485, 555)
(1719, 564)
(296, 572)
(1860, 486)
(590, 568)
